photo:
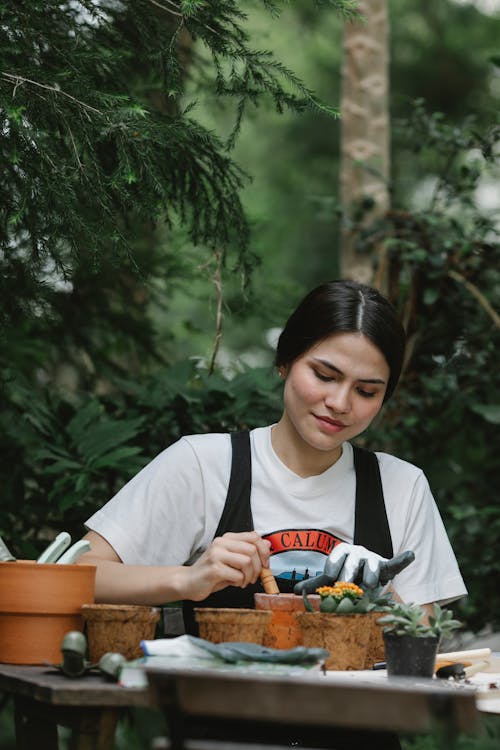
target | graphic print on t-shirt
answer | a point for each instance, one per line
(300, 553)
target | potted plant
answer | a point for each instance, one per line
(342, 624)
(39, 604)
(411, 644)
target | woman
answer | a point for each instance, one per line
(297, 489)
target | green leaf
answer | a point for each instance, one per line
(100, 438)
(489, 412)
(328, 604)
(62, 465)
(307, 604)
(116, 457)
(430, 295)
(345, 607)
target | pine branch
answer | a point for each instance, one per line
(17, 80)
(93, 138)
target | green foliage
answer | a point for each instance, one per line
(486, 737)
(66, 457)
(444, 262)
(406, 619)
(349, 601)
(444, 56)
(96, 148)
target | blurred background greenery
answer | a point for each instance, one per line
(148, 261)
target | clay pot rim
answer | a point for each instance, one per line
(324, 615)
(262, 596)
(39, 612)
(116, 608)
(285, 596)
(32, 564)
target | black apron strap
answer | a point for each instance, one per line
(371, 527)
(236, 516)
(237, 513)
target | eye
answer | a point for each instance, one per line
(324, 378)
(366, 394)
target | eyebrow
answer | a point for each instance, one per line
(330, 366)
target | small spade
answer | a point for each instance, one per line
(110, 664)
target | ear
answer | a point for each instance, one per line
(283, 371)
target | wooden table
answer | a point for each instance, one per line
(312, 709)
(266, 709)
(44, 698)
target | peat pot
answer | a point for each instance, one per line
(118, 628)
(283, 629)
(346, 637)
(39, 604)
(376, 649)
(410, 656)
(221, 624)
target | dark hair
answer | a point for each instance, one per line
(344, 307)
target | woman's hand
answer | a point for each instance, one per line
(231, 560)
(234, 559)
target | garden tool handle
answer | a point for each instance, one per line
(469, 655)
(73, 553)
(478, 666)
(56, 548)
(269, 581)
(5, 553)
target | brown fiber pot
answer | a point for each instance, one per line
(283, 630)
(219, 625)
(39, 604)
(344, 636)
(375, 651)
(118, 628)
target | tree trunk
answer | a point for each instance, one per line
(364, 170)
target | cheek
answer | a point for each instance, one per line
(299, 390)
(369, 409)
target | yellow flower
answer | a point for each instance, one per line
(340, 590)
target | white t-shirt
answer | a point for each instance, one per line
(168, 513)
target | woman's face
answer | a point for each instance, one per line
(333, 391)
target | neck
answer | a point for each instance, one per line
(298, 456)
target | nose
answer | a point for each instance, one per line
(338, 398)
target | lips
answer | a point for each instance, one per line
(331, 422)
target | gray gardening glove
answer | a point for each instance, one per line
(352, 562)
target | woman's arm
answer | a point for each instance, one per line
(429, 611)
(231, 560)
(428, 608)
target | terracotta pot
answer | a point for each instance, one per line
(344, 636)
(376, 649)
(220, 625)
(118, 628)
(283, 630)
(39, 604)
(410, 656)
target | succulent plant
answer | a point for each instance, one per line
(349, 599)
(406, 619)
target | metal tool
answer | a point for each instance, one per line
(459, 670)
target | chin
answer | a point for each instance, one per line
(324, 444)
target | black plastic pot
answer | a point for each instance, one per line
(409, 656)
